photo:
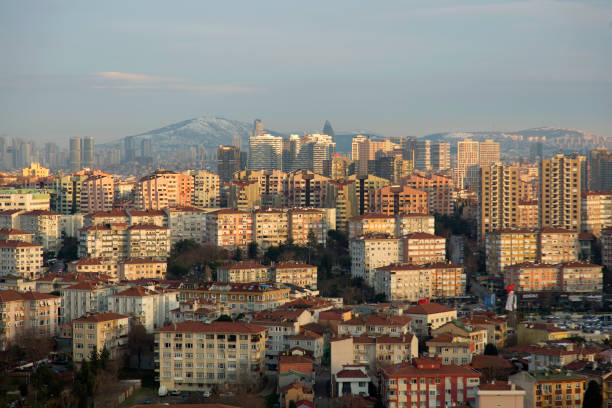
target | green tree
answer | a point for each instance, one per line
(140, 342)
(224, 318)
(104, 358)
(253, 250)
(178, 270)
(490, 350)
(237, 255)
(592, 396)
(69, 250)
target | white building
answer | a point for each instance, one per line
(82, 298)
(265, 152)
(369, 252)
(149, 307)
(20, 258)
(186, 223)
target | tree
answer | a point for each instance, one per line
(253, 250)
(224, 318)
(69, 250)
(139, 342)
(592, 396)
(490, 350)
(104, 358)
(178, 270)
(237, 255)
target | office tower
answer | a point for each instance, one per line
(498, 198)
(87, 154)
(146, 148)
(265, 152)
(50, 155)
(75, 154)
(129, 149)
(228, 162)
(422, 155)
(600, 164)
(328, 129)
(440, 156)
(258, 128)
(536, 151)
(364, 150)
(468, 155)
(312, 151)
(560, 195)
(488, 153)
(237, 142)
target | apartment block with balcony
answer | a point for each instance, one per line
(243, 272)
(21, 258)
(95, 332)
(372, 251)
(150, 308)
(186, 223)
(596, 211)
(229, 228)
(299, 274)
(270, 227)
(420, 248)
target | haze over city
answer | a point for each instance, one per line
(111, 69)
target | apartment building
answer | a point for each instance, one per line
(596, 211)
(94, 268)
(451, 348)
(375, 324)
(299, 274)
(163, 189)
(394, 199)
(475, 334)
(551, 389)
(97, 193)
(304, 222)
(265, 152)
(498, 198)
(270, 185)
(581, 277)
(371, 224)
(412, 223)
(152, 217)
(510, 247)
(372, 251)
(237, 297)
(45, 226)
(243, 272)
(205, 189)
(192, 355)
(303, 188)
(557, 245)
(244, 195)
(30, 314)
(533, 277)
(229, 228)
(407, 282)
(429, 316)
(11, 234)
(428, 383)
(528, 214)
(270, 227)
(84, 298)
(142, 268)
(468, 155)
(21, 258)
(560, 193)
(24, 199)
(186, 223)
(439, 191)
(96, 332)
(420, 248)
(150, 308)
(606, 247)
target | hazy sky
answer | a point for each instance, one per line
(113, 68)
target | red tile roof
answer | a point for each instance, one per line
(101, 317)
(17, 244)
(9, 296)
(136, 291)
(351, 374)
(214, 327)
(428, 308)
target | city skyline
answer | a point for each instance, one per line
(400, 70)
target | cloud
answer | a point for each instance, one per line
(124, 80)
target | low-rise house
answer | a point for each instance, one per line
(500, 394)
(295, 368)
(476, 334)
(297, 393)
(309, 341)
(429, 316)
(299, 274)
(351, 380)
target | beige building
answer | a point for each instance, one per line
(96, 332)
(140, 268)
(186, 223)
(372, 251)
(243, 272)
(190, 355)
(35, 170)
(299, 274)
(244, 195)
(306, 221)
(557, 245)
(510, 247)
(429, 316)
(498, 198)
(303, 188)
(11, 234)
(420, 248)
(270, 227)
(21, 258)
(97, 193)
(528, 214)
(407, 282)
(596, 211)
(30, 314)
(24, 199)
(560, 195)
(45, 225)
(581, 277)
(533, 277)
(500, 394)
(371, 224)
(163, 189)
(205, 189)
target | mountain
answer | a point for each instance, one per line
(206, 131)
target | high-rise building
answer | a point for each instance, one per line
(440, 156)
(498, 198)
(237, 142)
(311, 152)
(87, 154)
(488, 153)
(422, 155)
(265, 152)
(364, 150)
(75, 154)
(146, 149)
(468, 155)
(129, 147)
(560, 195)
(601, 169)
(258, 128)
(228, 162)
(328, 129)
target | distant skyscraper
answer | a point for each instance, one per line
(237, 142)
(489, 153)
(146, 149)
(536, 151)
(258, 128)
(422, 155)
(87, 154)
(328, 129)
(560, 193)
(440, 156)
(468, 155)
(312, 151)
(75, 154)
(265, 152)
(129, 148)
(228, 162)
(498, 198)
(600, 164)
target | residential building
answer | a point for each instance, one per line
(229, 228)
(11, 234)
(476, 335)
(429, 316)
(581, 277)
(303, 188)
(270, 227)
(606, 247)
(488, 153)
(163, 189)
(596, 211)
(426, 382)
(422, 155)
(141, 268)
(186, 223)
(150, 308)
(21, 258)
(371, 224)
(533, 277)
(243, 272)
(560, 193)
(96, 332)
(24, 199)
(440, 156)
(228, 162)
(551, 389)
(97, 193)
(394, 199)
(299, 274)
(372, 251)
(498, 198)
(438, 188)
(500, 394)
(468, 155)
(244, 195)
(420, 248)
(406, 224)
(45, 226)
(265, 152)
(83, 298)
(510, 247)
(351, 380)
(600, 164)
(205, 189)
(528, 214)
(35, 170)
(557, 245)
(307, 223)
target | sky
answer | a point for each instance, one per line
(114, 68)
